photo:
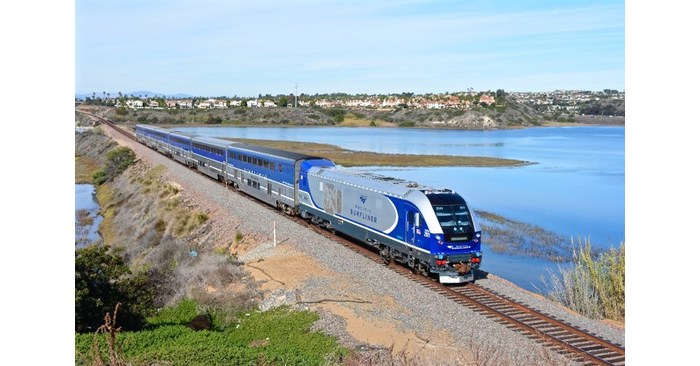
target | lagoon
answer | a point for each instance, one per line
(575, 188)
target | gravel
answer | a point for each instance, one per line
(415, 309)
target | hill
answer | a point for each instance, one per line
(509, 115)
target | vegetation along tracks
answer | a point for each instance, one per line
(559, 336)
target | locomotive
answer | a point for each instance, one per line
(433, 231)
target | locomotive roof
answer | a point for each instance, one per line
(274, 152)
(390, 185)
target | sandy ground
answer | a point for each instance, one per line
(278, 268)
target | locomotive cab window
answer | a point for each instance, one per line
(453, 215)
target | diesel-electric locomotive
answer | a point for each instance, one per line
(432, 231)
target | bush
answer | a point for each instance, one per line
(593, 285)
(101, 281)
(118, 160)
(213, 120)
(337, 114)
(99, 177)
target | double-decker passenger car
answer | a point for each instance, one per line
(270, 175)
(209, 153)
(181, 147)
(153, 137)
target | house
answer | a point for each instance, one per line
(487, 99)
(134, 103)
(184, 104)
(205, 104)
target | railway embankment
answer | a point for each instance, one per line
(160, 212)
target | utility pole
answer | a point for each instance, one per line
(295, 94)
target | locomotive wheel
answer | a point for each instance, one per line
(386, 255)
(422, 269)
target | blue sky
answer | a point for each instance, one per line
(235, 48)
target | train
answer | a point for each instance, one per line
(433, 231)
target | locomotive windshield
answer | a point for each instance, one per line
(453, 215)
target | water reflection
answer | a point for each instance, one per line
(87, 218)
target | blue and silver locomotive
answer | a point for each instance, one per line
(430, 230)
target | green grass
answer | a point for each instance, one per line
(593, 285)
(276, 337)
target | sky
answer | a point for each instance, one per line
(248, 48)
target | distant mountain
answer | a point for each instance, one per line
(140, 93)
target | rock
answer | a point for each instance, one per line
(201, 322)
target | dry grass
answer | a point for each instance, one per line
(351, 158)
(353, 120)
(84, 168)
(514, 237)
(593, 285)
(110, 329)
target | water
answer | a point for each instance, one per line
(87, 218)
(575, 189)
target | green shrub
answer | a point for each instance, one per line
(118, 160)
(99, 177)
(101, 281)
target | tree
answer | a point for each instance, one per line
(213, 120)
(500, 96)
(101, 281)
(283, 101)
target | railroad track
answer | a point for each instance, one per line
(557, 335)
(575, 343)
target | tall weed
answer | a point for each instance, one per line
(593, 285)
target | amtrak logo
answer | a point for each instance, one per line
(363, 198)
